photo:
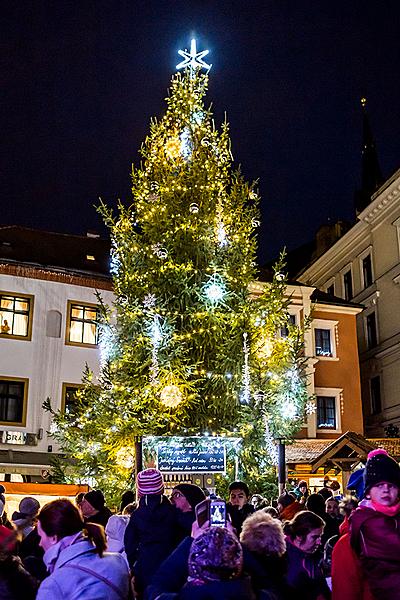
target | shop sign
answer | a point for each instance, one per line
(13, 437)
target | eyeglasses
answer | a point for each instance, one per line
(176, 495)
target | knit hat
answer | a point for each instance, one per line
(2, 499)
(380, 467)
(95, 499)
(193, 493)
(215, 555)
(149, 481)
(28, 509)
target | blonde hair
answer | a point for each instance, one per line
(263, 534)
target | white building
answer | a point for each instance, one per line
(47, 334)
(364, 266)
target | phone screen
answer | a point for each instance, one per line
(202, 512)
(218, 513)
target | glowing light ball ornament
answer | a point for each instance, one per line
(215, 289)
(126, 458)
(194, 208)
(173, 148)
(171, 396)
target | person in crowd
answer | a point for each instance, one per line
(238, 506)
(185, 497)
(151, 532)
(263, 538)
(335, 488)
(215, 568)
(288, 506)
(74, 556)
(15, 582)
(356, 483)
(370, 553)
(94, 509)
(3, 515)
(129, 508)
(346, 507)
(257, 501)
(127, 498)
(316, 504)
(29, 550)
(5, 328)
(325, 492)
(115, 533)
(332, 509)
(271, 510)
(301, 491)
(305, 577)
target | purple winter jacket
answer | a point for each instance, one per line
(376, 539)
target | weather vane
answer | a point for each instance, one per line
(193, 59)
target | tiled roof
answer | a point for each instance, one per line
(391, 445)
(305, 451)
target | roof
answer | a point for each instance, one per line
(55, 251)
(323, 298)
(391, 445)
(350, 447)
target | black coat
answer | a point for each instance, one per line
(234, 589)
(150, 537)
(238, 515)
(101, 517)
(15, 582)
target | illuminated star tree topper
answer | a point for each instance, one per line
(193, 59)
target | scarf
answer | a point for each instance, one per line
(51, 555)
(390, 511)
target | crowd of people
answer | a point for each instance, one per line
(309, 546)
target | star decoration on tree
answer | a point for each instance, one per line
(193, 59)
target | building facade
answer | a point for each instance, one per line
(364, 266)
(48, 332)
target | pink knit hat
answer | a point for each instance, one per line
(149, 481)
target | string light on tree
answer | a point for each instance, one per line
(246, 370)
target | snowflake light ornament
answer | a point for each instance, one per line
(193, 59)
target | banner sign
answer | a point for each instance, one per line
(192, 455)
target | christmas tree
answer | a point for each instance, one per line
(188, 347)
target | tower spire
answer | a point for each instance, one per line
(371, 175)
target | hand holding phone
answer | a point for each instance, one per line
(217, 513)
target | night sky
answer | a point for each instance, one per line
(81, 80)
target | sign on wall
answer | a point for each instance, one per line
(191, 455)
(13, 437)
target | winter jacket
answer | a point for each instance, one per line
(15, 582)
(267, 573)
(67, 582)
(32, 555)
(150, 537)
(304, 574)
(238, 515)
(348, 582)
(234, 589)
(375, 537)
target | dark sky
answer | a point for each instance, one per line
(80, 81)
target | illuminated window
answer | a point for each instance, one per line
(82, 327)
(323, 346)
(326, 412)
(15, 315)
(13, 397)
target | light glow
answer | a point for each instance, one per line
(193, 59)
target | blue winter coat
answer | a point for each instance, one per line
(69, 583)
(150, 537)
